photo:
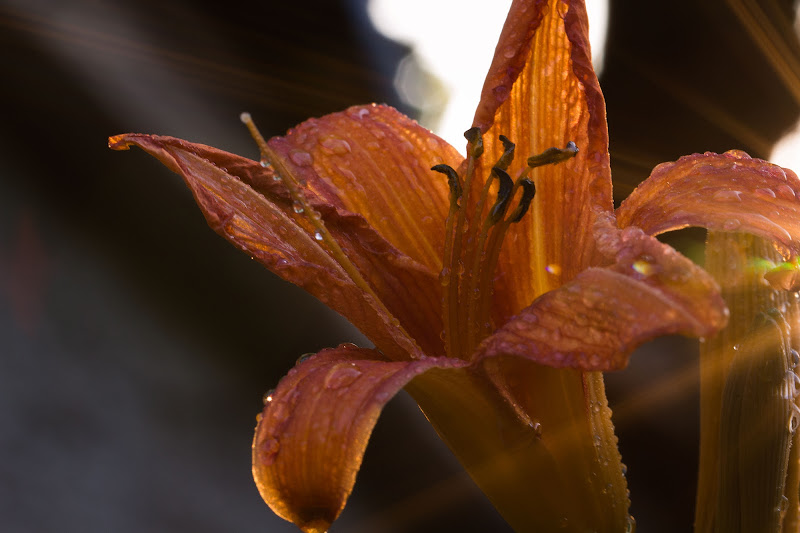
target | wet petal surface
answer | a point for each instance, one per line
(541, 92)
(243, 202)
(595, 321)
(311, 437)
(723, 192)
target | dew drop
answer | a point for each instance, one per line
(444, 277)
(784, 191)
(341, 376)
(794, 420)
(347, 346)
(501, 93)
(301, 158)
(553, 269)
(304, 357)
(267, 398)
(795, 357)
(630, 524)
(727, 196)
(509, 52)
(643, 267)
(764, 192)
(335, 145)
(783, 505)
(297, 207)
(318, 236)
(276, 177)
(268, 451)
(731, 224)
(264, 163)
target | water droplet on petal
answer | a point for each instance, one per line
(731, 224)
(347, 346)
(553, 269)
(784, 504)
(509, 52)
(268, 450)
(301, 158)
(643, 267)
(305, 357)
(794, 421)
(341, 376)
(297, 207)
(727, 196)
(318, 236)
(501, 93)
(268, 396)
(784, 191)
(765, 193)
(264, 163)
(335, 145)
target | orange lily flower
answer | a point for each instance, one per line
(496, 309)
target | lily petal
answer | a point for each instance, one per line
(375, 161)
(595, 321)
(243, 203)
(542, 92)
(311, 437)
(722, 192)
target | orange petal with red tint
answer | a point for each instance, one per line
(595, 321)
(722, 192)
(542, 92)
(311, 437)
(375, 161)
(261, 220)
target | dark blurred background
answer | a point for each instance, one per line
(135, 344)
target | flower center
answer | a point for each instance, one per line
(474, 235)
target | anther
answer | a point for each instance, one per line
(528, 192)
(553, 155)
(475, 140)
(508, 153)
(453, 180)
(503, 195)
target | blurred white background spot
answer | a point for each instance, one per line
(452, 46)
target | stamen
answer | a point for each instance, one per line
(453, 181)
(503, 195)
(474, 240)
(508, 153)
(554, 155)
(528, 192)
(475, 140)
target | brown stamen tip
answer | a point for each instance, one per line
(475, 140)
(452, 179)
(503, 195)
(554, 155)
(528, 192)
(508, 153)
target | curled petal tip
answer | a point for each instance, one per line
(119, 142)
